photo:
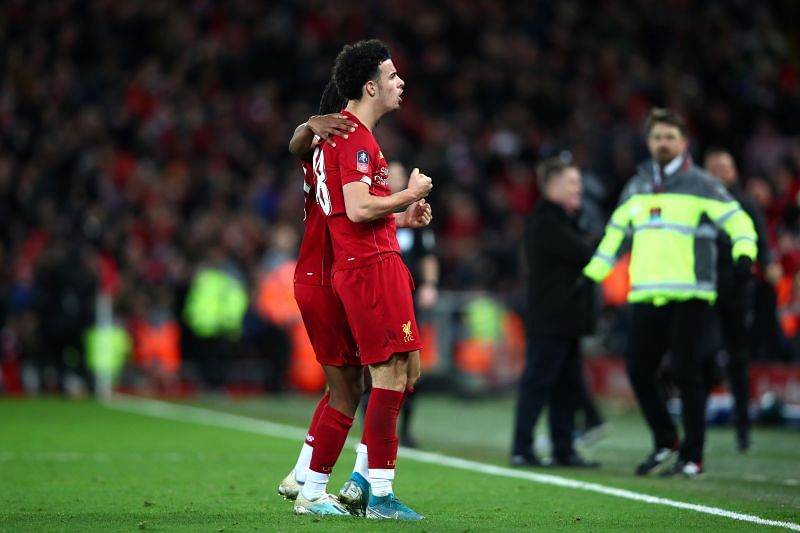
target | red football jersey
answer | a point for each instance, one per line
(358, 158)
(316, 252)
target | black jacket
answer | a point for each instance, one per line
(729, 288)
(560, 300)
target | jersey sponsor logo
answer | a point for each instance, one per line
(362, 161)
(382, 177)
(407, 335)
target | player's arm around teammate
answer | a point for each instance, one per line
(325, 127)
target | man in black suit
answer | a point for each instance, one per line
(559, 312)
(735, 300)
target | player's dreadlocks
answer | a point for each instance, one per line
(331, 101)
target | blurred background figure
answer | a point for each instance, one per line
(214, 310)
(671, 211)
(559, 312)
(65, 299)
(156, 339)
(735, 297)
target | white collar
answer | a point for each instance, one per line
(671, 167)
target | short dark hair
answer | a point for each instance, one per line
(356, 64)
(665, 116)
(549, 169)
(715, 151)
(331, 101)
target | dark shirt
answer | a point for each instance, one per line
(559, 299)
(728, 287)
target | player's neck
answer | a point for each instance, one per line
(365, 112)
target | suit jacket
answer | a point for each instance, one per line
(560, 299)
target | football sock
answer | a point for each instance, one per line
(329, 440)
(380, 429)
(380, 480)
(362, 465)
(304, 459)
(315, 485)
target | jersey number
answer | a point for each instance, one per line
(323, 195)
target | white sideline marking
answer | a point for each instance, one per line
(185, 413)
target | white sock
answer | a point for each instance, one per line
(315, 485)
(303, 460)
(380, 481)
(362, 464)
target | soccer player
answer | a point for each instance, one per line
(323, 318)
(328, 330)
(368, 273)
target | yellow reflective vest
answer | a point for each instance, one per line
(673, 225)
(216, 304)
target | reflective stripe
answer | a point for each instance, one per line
(700, 231)
(701, 286)
(624, 229)
(737, 239)
(668, 226)
(721, 220)
(605, 257)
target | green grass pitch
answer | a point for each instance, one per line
(81, 466)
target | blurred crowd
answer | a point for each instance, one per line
(142, 142)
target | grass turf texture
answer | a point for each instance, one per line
(79, 466)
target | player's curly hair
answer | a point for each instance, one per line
(331, 101)
(356, 64)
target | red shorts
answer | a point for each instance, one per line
(326, 324)
(380, 308)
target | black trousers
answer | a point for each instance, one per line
(552, 377)
(733, 321)
(681, 328)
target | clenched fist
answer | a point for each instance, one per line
(419, 184)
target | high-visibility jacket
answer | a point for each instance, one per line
(216, 304)
(673, 223)
(107, 348)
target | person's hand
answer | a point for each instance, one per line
(328, 127)
(419, 184)
(427, 294)
(418, 215)
(743, 268)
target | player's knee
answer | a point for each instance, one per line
(343, 400)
